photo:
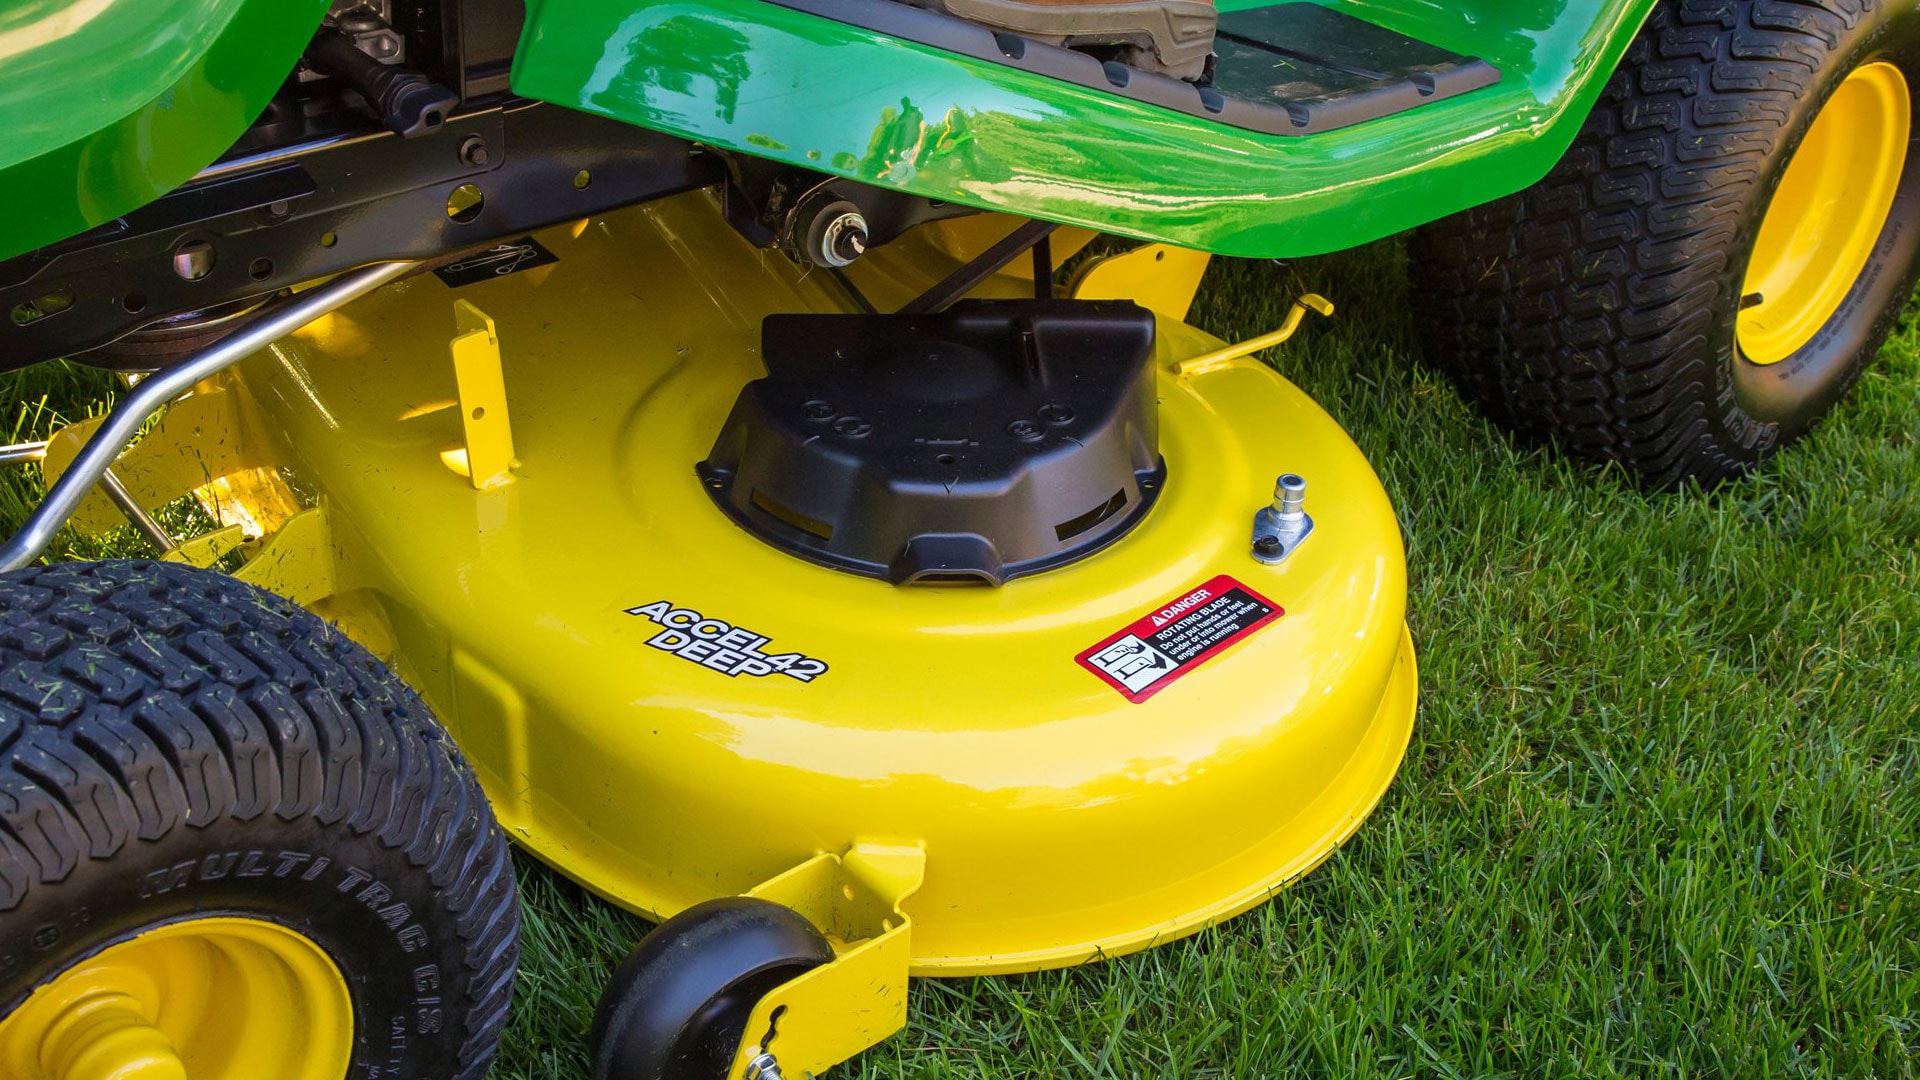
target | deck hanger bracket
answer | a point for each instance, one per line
(859, 999)
(487, 458)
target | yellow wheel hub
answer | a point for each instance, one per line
(206, 999)
(1824, 220)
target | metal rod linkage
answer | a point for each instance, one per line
(26, 451)
(137, 514)
(112, 437)
(962, 281)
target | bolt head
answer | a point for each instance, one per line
(843, 240)
(193, 260)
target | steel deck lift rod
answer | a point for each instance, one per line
(94, 459)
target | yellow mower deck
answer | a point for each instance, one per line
(1057, 819)
(492, 486)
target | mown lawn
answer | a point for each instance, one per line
(1660, 817)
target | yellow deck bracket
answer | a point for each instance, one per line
(1205, 362)
(208, 548)
(1159, 277)
(483, 397)
(296, 561)
(839, 1009)
(196, 441)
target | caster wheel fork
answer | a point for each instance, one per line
(803, 972)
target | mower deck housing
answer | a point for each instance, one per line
(669, 709)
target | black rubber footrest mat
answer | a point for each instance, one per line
(1287, 69)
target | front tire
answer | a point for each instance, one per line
(1608, 308)
(199, 780)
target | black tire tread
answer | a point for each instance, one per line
(138, 697)
(1572, 311)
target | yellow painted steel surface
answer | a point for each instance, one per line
(488, 453)
(204, 999)
(1059, 820)
(835, 1011)
(1159, 277)
(1827, 214)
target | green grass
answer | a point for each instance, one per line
(1659, 813)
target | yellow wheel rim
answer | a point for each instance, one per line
(206, 999)
(1827, 215)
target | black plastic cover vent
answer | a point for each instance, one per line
(996, 439)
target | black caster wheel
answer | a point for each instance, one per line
(677, 1007)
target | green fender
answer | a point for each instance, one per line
(109, 104)
(819, 94)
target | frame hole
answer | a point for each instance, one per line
(41, 307)
(465, 204)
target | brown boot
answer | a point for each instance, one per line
(1171, 37)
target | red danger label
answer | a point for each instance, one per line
(1145, 658)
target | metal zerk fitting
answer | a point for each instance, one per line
(1279, 529)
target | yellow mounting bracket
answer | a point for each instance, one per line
(859, 999)
(1205, 362)
(488, 456)
(1159, 277)
(207, 549)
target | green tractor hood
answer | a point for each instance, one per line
(106, 105)
(782, 80)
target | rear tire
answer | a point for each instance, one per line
(177, 745)
(1597, 309)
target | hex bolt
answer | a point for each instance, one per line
(764, 1067)
(1267, 547)
(473, 151)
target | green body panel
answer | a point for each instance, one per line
(766, 80)
(108, 104)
